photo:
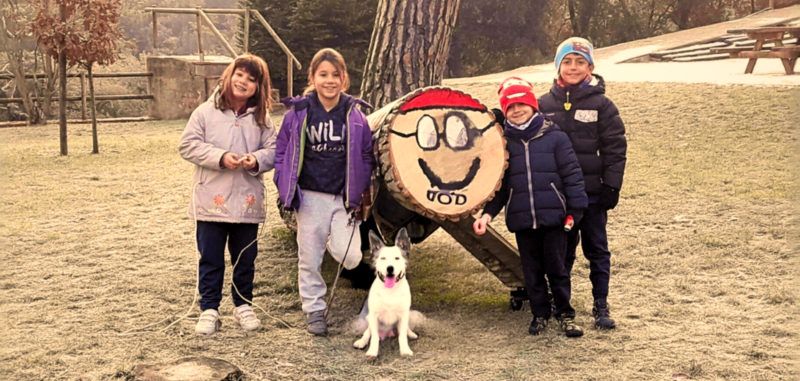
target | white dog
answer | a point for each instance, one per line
(389, 302)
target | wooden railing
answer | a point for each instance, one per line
(201, 15)
(83, 98)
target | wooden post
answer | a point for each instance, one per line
(771, 4)
(275, 37)
(246, 42)
(155, 31)
(289, 77)
(217, 33)
(83, 96)
(199, 35)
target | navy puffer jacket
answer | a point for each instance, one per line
(595, 129)
(543, 181)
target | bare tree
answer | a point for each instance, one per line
(409, 47)
(82, 32)
(12, 35)
(580, 15)
(100, 19)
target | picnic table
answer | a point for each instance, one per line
(787, 53)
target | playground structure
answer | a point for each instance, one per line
(176, 85)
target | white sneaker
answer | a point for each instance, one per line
(246, 317)
(208, 322)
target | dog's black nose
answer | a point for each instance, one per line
(390, 270)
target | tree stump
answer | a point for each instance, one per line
(188, 369)
(440, 152)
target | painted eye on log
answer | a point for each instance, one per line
(456, 132)
(427, 136)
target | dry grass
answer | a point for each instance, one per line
(704, 242)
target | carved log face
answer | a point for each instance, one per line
(446, 151)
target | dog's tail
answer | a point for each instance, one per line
(416, 319)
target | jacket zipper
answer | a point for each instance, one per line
(530, 180)
(510, 194)
(560, 197)
(299, 158)
(347, 159)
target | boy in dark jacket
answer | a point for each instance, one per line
(577, 103)
(541, 187)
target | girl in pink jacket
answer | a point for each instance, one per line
(231, 141)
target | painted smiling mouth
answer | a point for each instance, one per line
(436, 181)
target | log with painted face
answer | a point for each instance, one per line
(441, 152)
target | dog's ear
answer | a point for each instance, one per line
(375, 242)
(402, 241)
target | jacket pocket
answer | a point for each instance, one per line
(210, 203)
(560, 196)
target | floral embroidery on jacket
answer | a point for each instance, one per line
(219, 201)
(249, 203)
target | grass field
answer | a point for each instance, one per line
(704, 242)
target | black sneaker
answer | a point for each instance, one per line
(602, 318)
(538, 324)
(570, 328)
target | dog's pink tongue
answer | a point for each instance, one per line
(389, 282)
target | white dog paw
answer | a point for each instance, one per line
(412, 335)
(406, 352)
(372, 354)
(360, 344)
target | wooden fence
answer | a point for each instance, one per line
(84, 96)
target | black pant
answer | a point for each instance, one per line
(211, 239)
(592, 229)
(542, 253)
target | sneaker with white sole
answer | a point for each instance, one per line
(208, 322)
(246, 317)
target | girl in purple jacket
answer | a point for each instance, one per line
(231, 141)
(323, 165)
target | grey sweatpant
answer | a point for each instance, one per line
(322, 221)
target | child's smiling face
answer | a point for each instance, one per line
(519, 113)
(243, 85)
(574, 69)
(327, 81)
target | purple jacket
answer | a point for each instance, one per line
(291, 144)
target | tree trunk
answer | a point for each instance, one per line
(10, 40)
(573, 19)
(46, 92)
(95, 145)
(62, 81)
(409, 47)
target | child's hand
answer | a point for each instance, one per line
(479, 226)
(249, 162)
(231, 161)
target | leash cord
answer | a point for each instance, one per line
(339, 270)
(197, 280)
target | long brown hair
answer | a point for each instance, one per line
(336, 59)
(261, 100)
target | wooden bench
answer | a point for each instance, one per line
(787, 54)
(772, 36)
(733, 51)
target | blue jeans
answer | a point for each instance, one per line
(211, 240)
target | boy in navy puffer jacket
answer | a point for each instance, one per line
(577, 102)
(542, 186)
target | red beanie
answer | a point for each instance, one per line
(516, 90)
